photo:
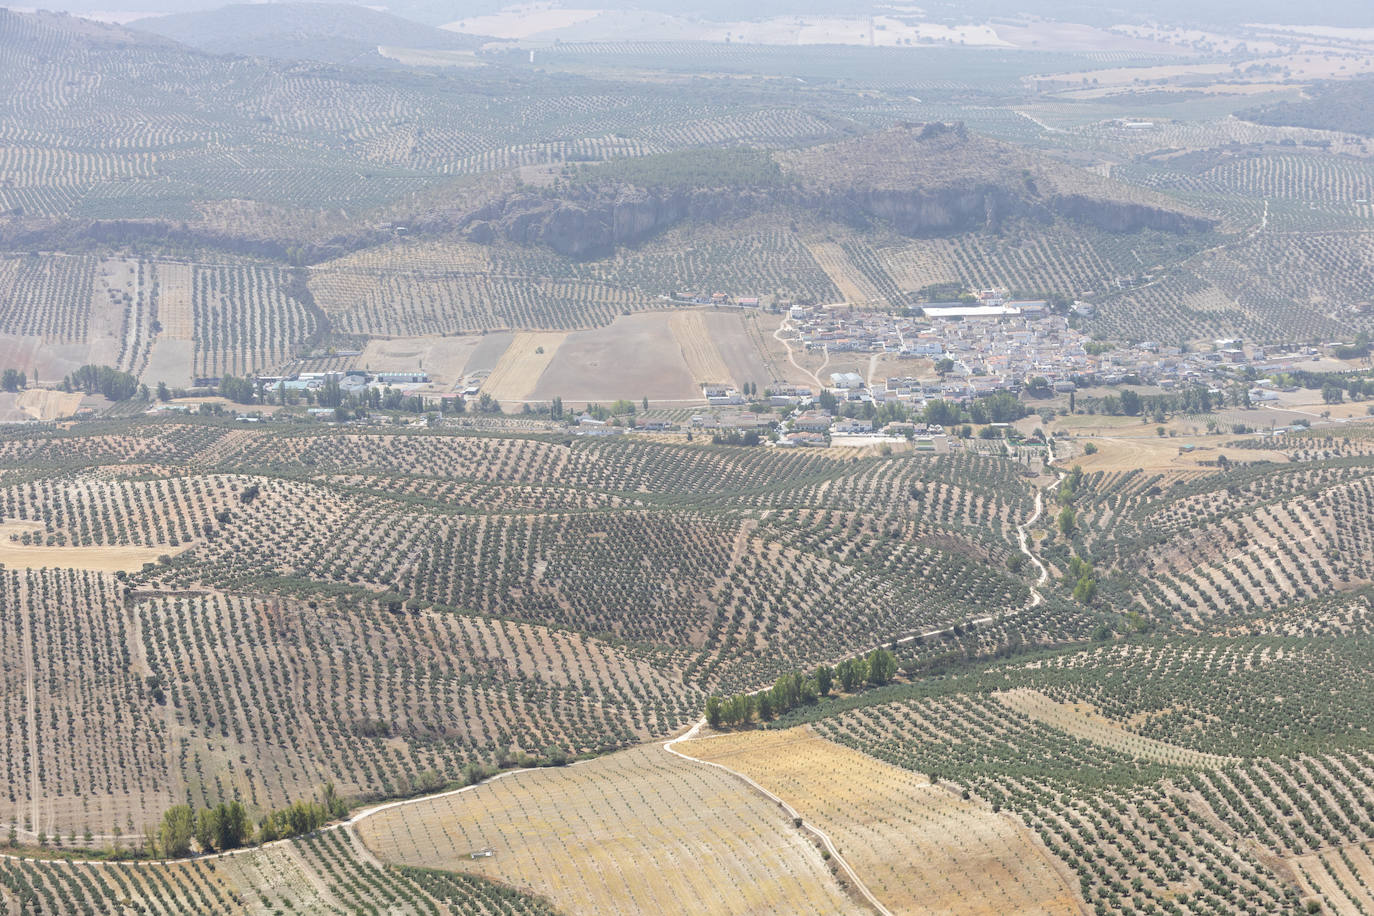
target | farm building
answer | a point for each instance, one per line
(812, 422)
(846, 380)
(417, 377)
(806, 440)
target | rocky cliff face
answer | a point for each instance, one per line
(1120, 216)
(592, 223)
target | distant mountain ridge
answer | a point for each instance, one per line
(337, 33)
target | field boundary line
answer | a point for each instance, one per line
(806, 825)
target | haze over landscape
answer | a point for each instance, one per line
(634, 457)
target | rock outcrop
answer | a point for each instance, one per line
(593, 223)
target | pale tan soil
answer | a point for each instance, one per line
(47, 404)
(703, 360)
(635, 356)
(517, 373)
(639, 831)
(1082, 721)
(919, 848)
(99, 559)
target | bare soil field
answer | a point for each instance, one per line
(852, 284)
(517, 373)
(42, 359)
(698, 349)
(98, 559)
(170, 360)
(488, 352)
(639, 831)
(636, 356)
(444, 358)
(174, 311)
(919, 848)
(739, 338)
(105, 334)
(1155, 453)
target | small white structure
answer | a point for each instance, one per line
(846, 380)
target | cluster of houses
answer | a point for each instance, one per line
(991, 346)
(350, 381)
(995, 345)
(819, 428)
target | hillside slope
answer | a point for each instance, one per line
(340, 33)
(931, 179)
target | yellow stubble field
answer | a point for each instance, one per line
(640, 831)
(518, 371)
(919, 848)
(703, 359)
(1082, 721)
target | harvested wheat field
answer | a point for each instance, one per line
(919, 848)
(703, 359)
(518, 371)
(635, 356)
(640, 831)
(107, 559)
(48, 404)
(1082, 721)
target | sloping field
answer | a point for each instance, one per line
(172, 353)
(1343, 877)
(850, 281)
(636, 832)
(740, 339)
(698, 349)
(1082, 721)
(517, 373)
(635, 356)
(174, 311)
(919, 848)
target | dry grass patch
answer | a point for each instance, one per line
(1162, 453)
(108, 559)
(174, 311)
(848, 279)
(1083, 721)
(919, 848)
(518, 371)
(636, 832)
(47, 404)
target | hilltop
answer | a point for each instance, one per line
(339, 33)
(930, 179)
(1343, 106)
